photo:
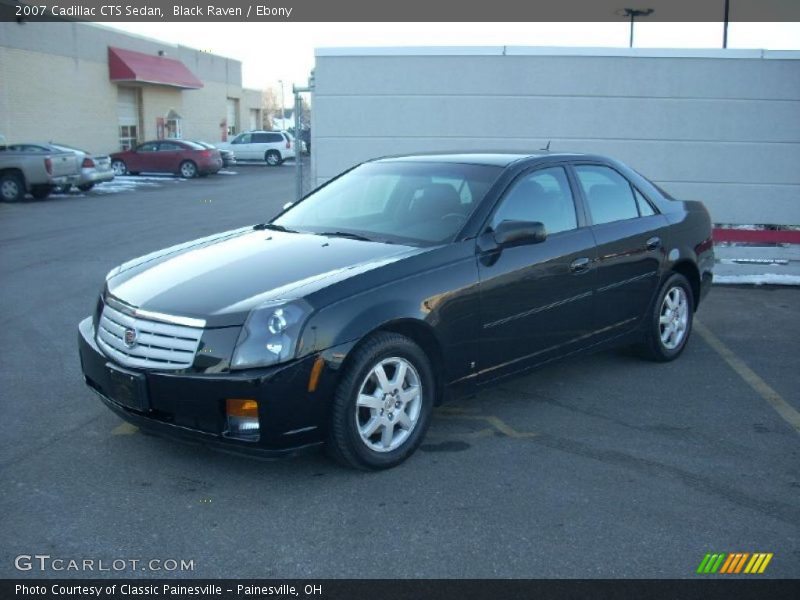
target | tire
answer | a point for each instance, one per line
(40, 192)
(273, 158)
(672, 311)
(12, 187)
(349, 440)
(119, 167)
(188, 170)
(85, 187)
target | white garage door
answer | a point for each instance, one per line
(128, 116)
(233, 111)
(254, 120)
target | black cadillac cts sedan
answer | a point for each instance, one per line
(404, 281)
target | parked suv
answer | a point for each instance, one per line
(271, 146)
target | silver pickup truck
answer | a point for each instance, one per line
(35, 173)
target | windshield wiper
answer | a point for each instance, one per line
(347, 234)
(273, 227)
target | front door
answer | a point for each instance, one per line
(536, 299)
(630, 250)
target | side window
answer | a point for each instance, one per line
(274, 138)
(242, 139)
(543, 196)
(645, 209)
(260, 138)
(608, 194)
(147, 147)
(169, 147)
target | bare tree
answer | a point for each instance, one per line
(271, 106)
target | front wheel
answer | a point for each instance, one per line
(383, 404)
(669, 323)
(12, 187)
(273, 158)
(188, 169)
(119, 167)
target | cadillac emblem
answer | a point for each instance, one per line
(129, 337)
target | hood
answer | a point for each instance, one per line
(222, 277)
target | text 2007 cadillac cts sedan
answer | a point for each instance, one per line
(403, 281)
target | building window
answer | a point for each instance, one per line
(173, 125)
(128, 136)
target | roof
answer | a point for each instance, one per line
(498, 159)
(137, 67)
(726, 53)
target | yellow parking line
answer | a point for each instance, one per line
(761, 387)
(124, 429)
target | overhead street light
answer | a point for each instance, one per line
(632, 13)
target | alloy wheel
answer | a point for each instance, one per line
(673, 318)
(9, 189)
(388, 404)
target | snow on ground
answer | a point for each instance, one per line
(127, 183)
(758, 279)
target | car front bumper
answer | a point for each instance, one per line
(191, 406)
(94, 176)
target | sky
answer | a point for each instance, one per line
(270, 52)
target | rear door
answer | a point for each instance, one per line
(536, 300)
(170, 156)
(630, 252)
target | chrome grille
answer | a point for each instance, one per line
(157, 345)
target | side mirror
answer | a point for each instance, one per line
(519, 233)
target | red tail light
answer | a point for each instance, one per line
(205, 153)
(48, 165)
(88, 163)
(288, 144)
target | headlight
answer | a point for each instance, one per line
(270, 334)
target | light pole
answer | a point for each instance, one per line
(632, 13)
(725, 26)
(283, 111)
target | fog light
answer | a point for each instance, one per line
(242, 419)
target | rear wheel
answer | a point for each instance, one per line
(383, 404)
(273, 158)
(12, 187)
(670, 320)
(119, 167)
(188, 169)
(40, 192)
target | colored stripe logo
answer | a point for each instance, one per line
(731, 563)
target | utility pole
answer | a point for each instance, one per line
(632, 13)
(725, 26)
(298, 156)
(283, 110)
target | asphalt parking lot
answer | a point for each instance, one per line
(602, 466)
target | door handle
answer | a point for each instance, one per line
(653, 243)
(580, 265)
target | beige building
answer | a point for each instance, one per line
(102, 90)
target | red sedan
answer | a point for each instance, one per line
(186, 159)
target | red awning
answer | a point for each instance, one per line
(130, 66)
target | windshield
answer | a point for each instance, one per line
(416, 202)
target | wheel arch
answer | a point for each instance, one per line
(420, 333)
(689, 270)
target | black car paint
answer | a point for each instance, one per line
(480, 312)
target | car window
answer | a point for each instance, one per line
(242, 139)
(410, 201)
(645, 208)
(170, 147)
(543, 196)
(147, 147)
(608, 194)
